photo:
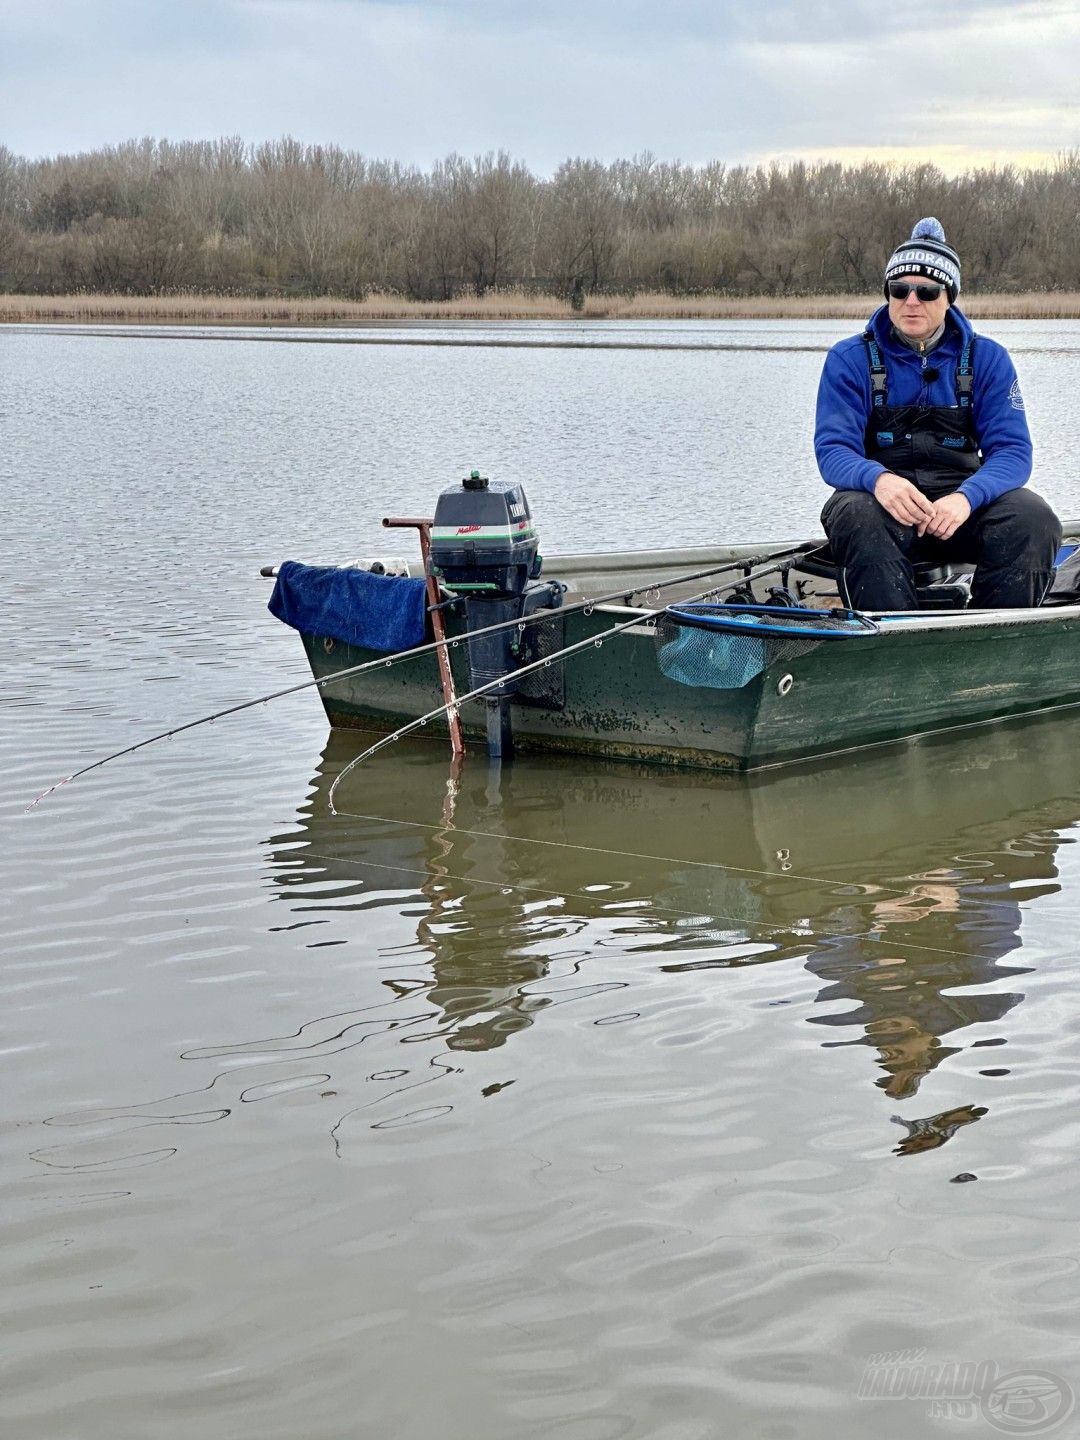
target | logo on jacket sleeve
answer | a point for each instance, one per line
(1016, 400)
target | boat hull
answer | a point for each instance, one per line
(917, 675)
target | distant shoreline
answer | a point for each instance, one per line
(89, 309)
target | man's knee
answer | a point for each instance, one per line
(854, 515)
(1022, 524)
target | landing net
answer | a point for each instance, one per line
(714, 646)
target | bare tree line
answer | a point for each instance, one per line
(282, 218)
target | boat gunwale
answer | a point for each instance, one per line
(915, 622)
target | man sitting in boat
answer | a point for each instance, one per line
(922, 434)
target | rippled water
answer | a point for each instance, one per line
(584, 1101)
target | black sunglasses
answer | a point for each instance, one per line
(899, 290)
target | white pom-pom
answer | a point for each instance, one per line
(929, 229)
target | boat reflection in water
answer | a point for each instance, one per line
(898, 879)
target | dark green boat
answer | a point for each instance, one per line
(803, 692)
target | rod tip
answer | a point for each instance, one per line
(45, 793)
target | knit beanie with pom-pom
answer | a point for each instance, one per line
(926, 253)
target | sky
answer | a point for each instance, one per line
(960, 82)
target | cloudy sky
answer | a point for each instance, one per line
(960, 82)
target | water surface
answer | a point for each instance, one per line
(581, 1101)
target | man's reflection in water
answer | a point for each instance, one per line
(912, 969)
(933, 1130)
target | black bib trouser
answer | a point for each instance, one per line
(1011, 542)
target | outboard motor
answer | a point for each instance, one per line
(484, 548)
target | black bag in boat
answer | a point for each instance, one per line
(1065, 586)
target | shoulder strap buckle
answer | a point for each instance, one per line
(878, 375)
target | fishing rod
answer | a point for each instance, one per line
(590, 640)
(648, 619)
(748, 565)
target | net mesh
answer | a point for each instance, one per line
(720, 649)
(545, 689)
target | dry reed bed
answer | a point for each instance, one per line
(504, 305)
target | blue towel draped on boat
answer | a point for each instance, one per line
(376, 612)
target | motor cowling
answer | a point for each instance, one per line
(482, 538)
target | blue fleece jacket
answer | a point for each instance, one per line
(845, 401)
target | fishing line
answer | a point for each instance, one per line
(388, 661)
(622, 854)
(526, 889)
(813, 939)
